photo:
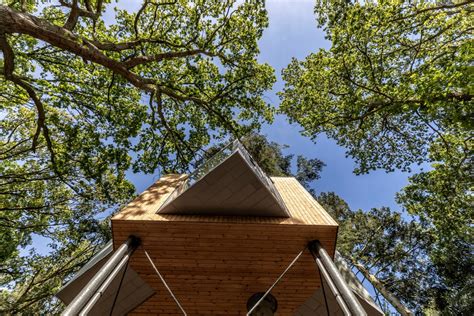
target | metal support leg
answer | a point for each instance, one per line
(332, 286)
(334, 276)
(105, 285)
(91, 289)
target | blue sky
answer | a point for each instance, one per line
(293, 33)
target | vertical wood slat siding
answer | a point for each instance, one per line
(214, 263)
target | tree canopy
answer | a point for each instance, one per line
(395, 89)
(397, 76)
(89, 92)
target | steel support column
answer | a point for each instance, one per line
(332, 286)
(334, 276)
(94, 285)
(91, 303)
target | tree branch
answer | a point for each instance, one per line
(81, 12)
(73, 16)
(12, 21)
(9, 65)
(159, 57)
(434, 8)
(117, 47)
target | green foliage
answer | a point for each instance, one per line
(270, 157)
(41, 275)
(395, 89)
(380, 243)
(442, 197)
(397, 76)
(84, 99)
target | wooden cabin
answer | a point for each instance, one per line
(210, 241)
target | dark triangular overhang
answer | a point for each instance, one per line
(230, 183)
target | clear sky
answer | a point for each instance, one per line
(293, 33)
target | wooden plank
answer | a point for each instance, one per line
(215, 263)
(215, 267)
(302, 207)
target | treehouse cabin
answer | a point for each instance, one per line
(224, 240)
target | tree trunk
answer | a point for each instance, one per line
(404, 311)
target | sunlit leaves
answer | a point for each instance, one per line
(397, 74)
(395, 89)
(197, 62)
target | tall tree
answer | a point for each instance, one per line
(389, 252)
(86, 96)
(395, 89)
(397, 76)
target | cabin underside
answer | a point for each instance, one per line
(206, 243)
(215, 263)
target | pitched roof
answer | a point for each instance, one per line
(230, 183)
